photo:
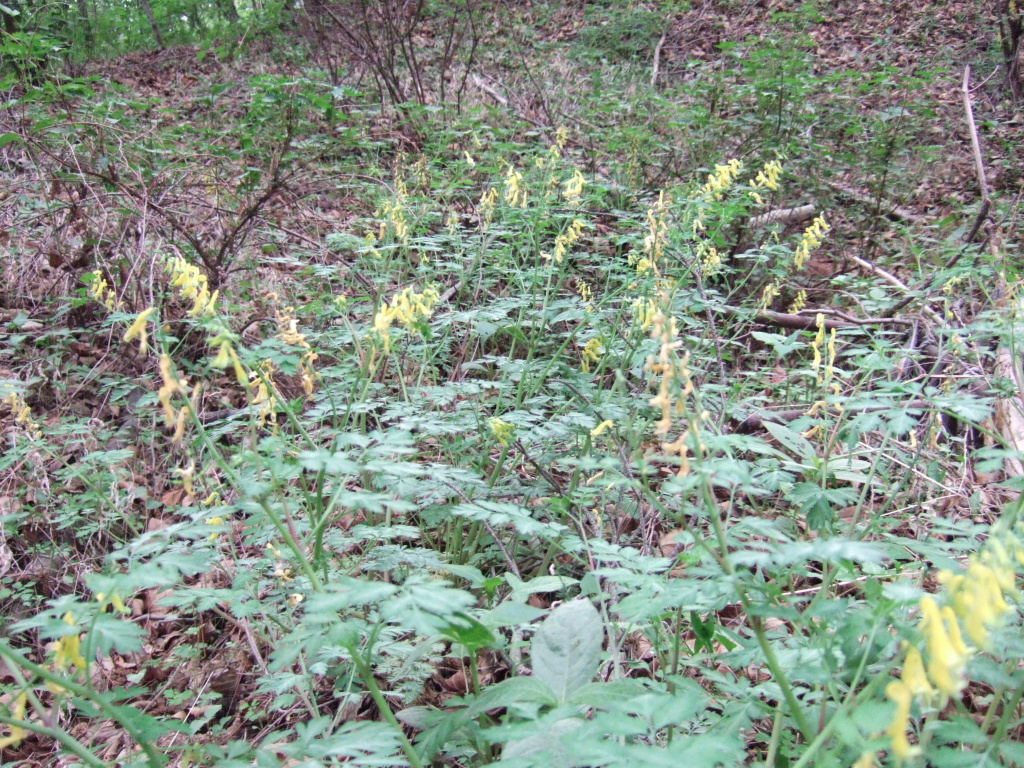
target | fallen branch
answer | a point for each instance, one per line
(657, 59)
(807, 320)
(783, 216)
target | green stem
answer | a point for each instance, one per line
(14, 658)
(366, 673)
(62, 737)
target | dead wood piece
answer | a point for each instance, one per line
(784, 216)
(807, 320)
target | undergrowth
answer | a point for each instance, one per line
(427, 437)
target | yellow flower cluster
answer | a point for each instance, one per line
(722, 178)
(17, 712)
(407, 308)
(137, 330)
(975, 600)
(288, 332)
(573, 188)
(22, 414)
(811, 239)
(502, 430)
(816, 345)
(392, 214)
(768, 295)
(101, 292)
(172, 385)
(68, 649)
(767, 178)
(264, 396)
(592, 353)
(671, 397)
(565, 240)
(799, 302)
(644, 311)
(656, 237)
(488, 200)
(515, 188)
(192, 285)
(710, 261)
(586, 295)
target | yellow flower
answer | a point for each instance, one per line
(819, 339)
(591, 354)
(114, 599)
(137, 330)
(69, 649)
(171, 385)
(214, 521)
(866, 760)
(914, 676)
(898, 693)
(768, 295)
(722, 179)
(22, 414)
(945, 651)
(17, 712)
(601, 427)
(501, 430)
(515, 189)
(574, 187)
(767, 178)
(811, 239)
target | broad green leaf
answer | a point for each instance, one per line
(567, 647)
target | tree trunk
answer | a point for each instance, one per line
(11, 22)
(148, 10)
(86, 21)
(229, 10)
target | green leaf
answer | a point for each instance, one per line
(796, 442)
(469, 632)
(567, 647)
(7, 138)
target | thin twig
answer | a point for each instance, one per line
(657, 58)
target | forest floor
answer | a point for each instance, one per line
(424, 315)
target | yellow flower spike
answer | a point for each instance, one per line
(187, 474)
(866, 760)
(17, 712)
(137, 330)
(819, 339)
(214, 521)
(601, 428)
(914, 675)
(592, 353)
(114, 599)
(179, 428)
(998, 559)
(171, 385)
(898, 693)
(69, 649)
(946, 654)
(502, 430)
(295, 599)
